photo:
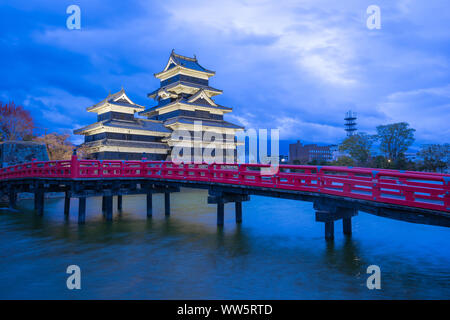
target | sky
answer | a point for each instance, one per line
(296, 66)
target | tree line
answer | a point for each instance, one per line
(16, 124)
(394, 140)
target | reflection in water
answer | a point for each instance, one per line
(346, 258)
(277, 253)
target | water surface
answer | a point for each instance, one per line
(277, 253)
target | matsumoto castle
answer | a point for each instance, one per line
(184, 98)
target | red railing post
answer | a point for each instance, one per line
(447, 192)
(375, 185)
(240, 174)
(143, 168)
(163, 170)
(74, 166)
(100, 171)
(320, 179)
(210, 171)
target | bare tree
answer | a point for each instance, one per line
(16, 123)
(435, 157)
(58, 146)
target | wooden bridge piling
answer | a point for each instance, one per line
(119, 202)
(12, 199)
(104, 205)
(109, 207)
(329, 230)
(238, 211)
(167, 204)
(329, 212)
(81, 210)
(35, 201)
(220, 213)
(66, 203)
(149, 204)
(39, 201)
(220, 198)
(347, 226)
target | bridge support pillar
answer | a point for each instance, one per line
(330, 212)
(167, 203)
(220, 198)
(66, 203)
(119, 202)
(149, 204)
(12, 199)
(150, 189)
(238, 211)
(103, 205)
(81, 210)
(220, 213)
(329, 230)
(347, 226)
(39, 202)
(109, 207)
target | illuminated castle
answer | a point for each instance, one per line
(184, 101)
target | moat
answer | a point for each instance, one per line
(278, 252)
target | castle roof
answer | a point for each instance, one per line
(127, 143)
(177, 60)
(119, 98)
(154, 93)
(187, 62)
(209, 123)
(137, 124)
(184, 100)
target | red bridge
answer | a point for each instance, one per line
(337, 192)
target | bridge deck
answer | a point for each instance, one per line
(411, 189)
(405, 195)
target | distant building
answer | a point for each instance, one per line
(336, 153)
(118, 135)
(306, 153)
(16, 152)
(350, 123)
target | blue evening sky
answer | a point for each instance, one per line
(293, 65)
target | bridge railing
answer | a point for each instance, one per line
(409, 188)
(50, 169)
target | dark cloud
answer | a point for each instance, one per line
(297, 67)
